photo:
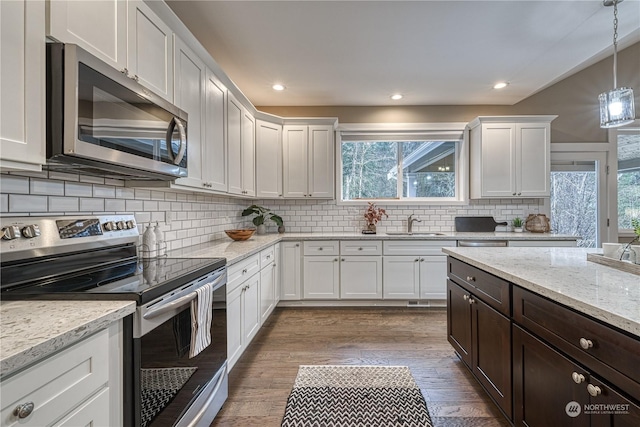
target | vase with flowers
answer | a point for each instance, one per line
(372, 216)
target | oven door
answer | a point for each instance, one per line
(172, 388)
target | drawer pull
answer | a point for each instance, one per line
(268, 256)
(23, 410)
(585, 343)
(244, 271)
(471, 279)
(577, 378)
(594, 390)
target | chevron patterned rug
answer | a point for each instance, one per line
(355, 396)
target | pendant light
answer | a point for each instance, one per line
(616, 106)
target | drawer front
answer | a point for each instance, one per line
(242, 270)
(321, 247)
(491, 289)
(57, 384)
(606, 348)
(267, 256)
(415, 247)
(359, 247)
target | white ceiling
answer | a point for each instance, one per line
(434, 52)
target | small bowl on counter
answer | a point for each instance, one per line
(240, 234)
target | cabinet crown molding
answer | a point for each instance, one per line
(514, 119)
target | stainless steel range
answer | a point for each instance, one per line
(95, 257)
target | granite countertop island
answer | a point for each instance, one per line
(565, 276)
(31, 330)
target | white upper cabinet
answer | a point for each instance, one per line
(268, 159)
(22, 85)
(190, 76)
(150, 49)
(214, 161)
(241, 143)
(248, 154)
(234, 144)
(308, 165)
(510, 156)
(105, 35)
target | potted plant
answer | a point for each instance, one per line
(262, 214)
(517, 224)
(372, 215)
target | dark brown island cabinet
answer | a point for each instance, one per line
(542, 363)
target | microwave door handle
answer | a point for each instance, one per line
(176, 158)
(164, 308)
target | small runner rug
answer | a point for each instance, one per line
(355, 396)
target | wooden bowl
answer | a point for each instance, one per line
(240, 233)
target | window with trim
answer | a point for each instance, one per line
(628, 177)
(418, 167)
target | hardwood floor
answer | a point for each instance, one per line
(416, 337)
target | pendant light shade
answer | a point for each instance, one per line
(616, 106)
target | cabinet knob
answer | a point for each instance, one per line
(244, 271)
(297, 245)
(585, 343)
(416, 260)
(268, 256)
(594, 390)
(421, 259)
(23, 410)
(335, 260)
(136, 78)
(342, 259)
(577, 378)
(359, 249)
(471, 279)
(465, 297)
(519, 194)
(320, 248)
(471, 301)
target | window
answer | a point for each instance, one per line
(418, 167)
(628, 177)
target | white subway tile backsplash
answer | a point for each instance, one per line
(78, 189)
(64, 176)
(91, 179)
(63, 204)
(27, 203)
(125, 193)
(142, 194)
(11, 184)
(4, 203)
(91, 205)
(46, 187)
(106, 192)
(134, 205)
(116, 205)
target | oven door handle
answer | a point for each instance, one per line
(164, 308)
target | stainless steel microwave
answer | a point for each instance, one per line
(102, 122)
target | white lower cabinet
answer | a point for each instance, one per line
(361, 277)
(415, 269)
(252, 294)
(76, 386)
(361, 269)
(321, 277)
(290, 271)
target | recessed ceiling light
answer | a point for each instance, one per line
(396, 97)
(278, 86)
(500, 85)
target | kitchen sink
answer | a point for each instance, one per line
(418, 234)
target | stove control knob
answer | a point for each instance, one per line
(11, 232)
(131, 225)
(31, 231)
(109, 226)
(121, 225)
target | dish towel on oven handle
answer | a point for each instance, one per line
(201, 317)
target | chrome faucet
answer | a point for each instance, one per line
(410, 222)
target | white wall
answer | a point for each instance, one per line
(193, 218)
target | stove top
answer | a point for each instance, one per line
(88, 258)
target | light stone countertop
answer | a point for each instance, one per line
(237, 251)
(31, 330)
(565, 276)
